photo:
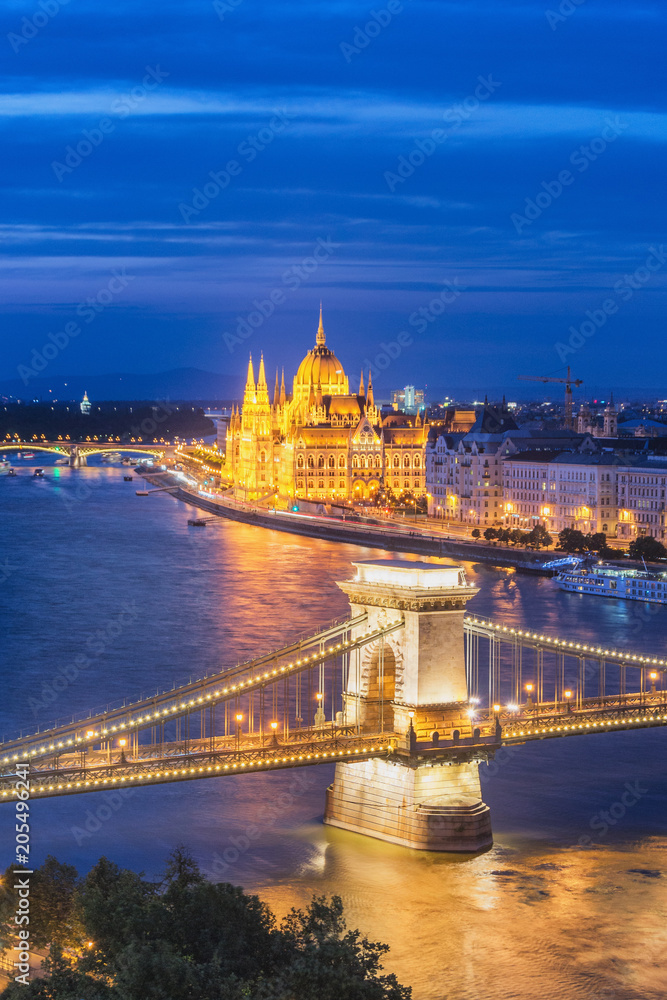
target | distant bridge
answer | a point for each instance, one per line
(78, 451)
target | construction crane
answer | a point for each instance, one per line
(569, 382)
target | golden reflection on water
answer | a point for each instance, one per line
(528, 919)
(514, 922)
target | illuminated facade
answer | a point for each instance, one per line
(622, 496)
(320, 442)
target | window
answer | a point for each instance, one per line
(406, 461)
(299, 462)
(332, 462)
(299, 484)
(320, 461)
(355, 462)
(341, 485)
(341, 462)
(417, 462)
(397, 462)
(311, 462)
(320, 485)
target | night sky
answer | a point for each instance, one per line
(176, 161)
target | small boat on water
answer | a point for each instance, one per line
(27, 454)
(111, 456)
(5, 467)
(615, 581)
(38, 473)
(62, 461)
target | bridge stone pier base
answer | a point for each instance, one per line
(412, 682)
(76, 459)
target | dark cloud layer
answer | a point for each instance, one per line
(422, 147)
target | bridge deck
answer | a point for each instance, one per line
(86, 754)
(203, 693)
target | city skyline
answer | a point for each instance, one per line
(497, 199)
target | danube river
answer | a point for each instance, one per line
(88, 566)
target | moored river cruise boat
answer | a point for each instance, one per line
(614, 581)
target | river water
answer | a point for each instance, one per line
(85, 565)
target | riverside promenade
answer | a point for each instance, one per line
(395, 537)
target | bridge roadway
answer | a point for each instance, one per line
(205, 691)
(99, 770)
(78, 771)
(87, 447)
(80, 757)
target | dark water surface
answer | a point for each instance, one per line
(94, 568)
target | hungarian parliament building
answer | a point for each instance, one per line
(321, 441)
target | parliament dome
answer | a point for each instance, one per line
(321, 366)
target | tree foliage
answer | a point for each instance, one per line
(116, 936)
(572, 540)
(647, 547)
(539, 536)
(53, 919)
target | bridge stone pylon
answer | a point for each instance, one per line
(76, 459)
(412, 682)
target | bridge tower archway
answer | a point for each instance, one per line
(411, 798)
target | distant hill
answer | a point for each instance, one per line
(179, 383)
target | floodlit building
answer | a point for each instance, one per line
(320, 441)
(620, 495)
(409, 399)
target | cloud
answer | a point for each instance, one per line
(316, 112)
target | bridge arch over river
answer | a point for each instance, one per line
(78, 452)
(408, 696)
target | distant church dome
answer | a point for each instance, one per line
(321, 366)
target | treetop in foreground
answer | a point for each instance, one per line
(113, 935)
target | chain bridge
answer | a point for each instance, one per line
(407, 696)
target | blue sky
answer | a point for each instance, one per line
(305, 112)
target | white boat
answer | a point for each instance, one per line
(614, 581)
(111, 456)
(62, 461)
(5, 466)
